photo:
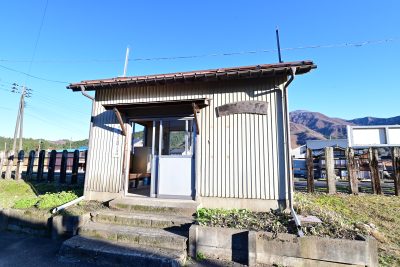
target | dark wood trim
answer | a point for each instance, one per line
(121, 122)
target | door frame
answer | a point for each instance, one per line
(154, 158)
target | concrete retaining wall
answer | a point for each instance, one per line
(255, 248)
(67, 226)
(25, 221)
(290, 250)
(219, 243)
(43, 225)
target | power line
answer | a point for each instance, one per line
(58, 126)
(32, 76)
(339, 45)
(43, 98)
(38, 36)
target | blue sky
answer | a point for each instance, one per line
(350, 82)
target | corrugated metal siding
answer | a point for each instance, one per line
(241, 155)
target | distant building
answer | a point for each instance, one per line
(318, 147)
(321, 144)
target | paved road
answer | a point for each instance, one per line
(21, 250)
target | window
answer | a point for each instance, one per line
(177, 137)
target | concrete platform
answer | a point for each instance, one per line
(110, 253)
(142, 219)
(154, 205)
(151, 237)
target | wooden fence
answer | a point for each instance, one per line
(63, 167)
(356, 164)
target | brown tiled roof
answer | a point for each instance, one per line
(245, 72)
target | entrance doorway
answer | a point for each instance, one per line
(162, 158)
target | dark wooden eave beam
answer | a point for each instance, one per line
(121, 122)
(195, 111)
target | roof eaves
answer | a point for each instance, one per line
(205, 75)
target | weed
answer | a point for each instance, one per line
(273, 221)
(200, 256)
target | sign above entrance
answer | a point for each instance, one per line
(252, 107)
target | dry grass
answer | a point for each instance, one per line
(350, 215)
(83, 207)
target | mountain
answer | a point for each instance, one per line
(376, 121)
(300, 133)
(33, 144)
(306, 125)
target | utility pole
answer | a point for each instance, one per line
(40, 142)
(126, 62)
(18, 128)
(21, 125)
(70, 141)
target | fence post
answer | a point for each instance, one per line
(29, 168)
(310, 171)
(39, 175)
(75, 166)
(352, 171)
(63, 167)
(3, 160)
(330, 170)
(10, 164)
(20, 164)
(396, 169)
(52, 166)
(373, 166)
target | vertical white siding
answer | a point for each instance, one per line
(242, 155)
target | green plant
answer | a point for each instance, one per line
(25, 203)
(52, 200)
(200, 256)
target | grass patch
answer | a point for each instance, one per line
(349, 216)
(12, 191)
(274, 221)
(25, 203)
(36, 195)
(51, 200)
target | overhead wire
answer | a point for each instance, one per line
(56, 102)
(37, 38)
(346, 44)
(59, 126)
(338, 45)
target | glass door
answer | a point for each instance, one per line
(173, 153)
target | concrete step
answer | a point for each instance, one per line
(152, 237)
(153, 205)
(165, 221)
(111, 253)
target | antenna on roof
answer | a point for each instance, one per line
(278, 44)
(126, 62)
